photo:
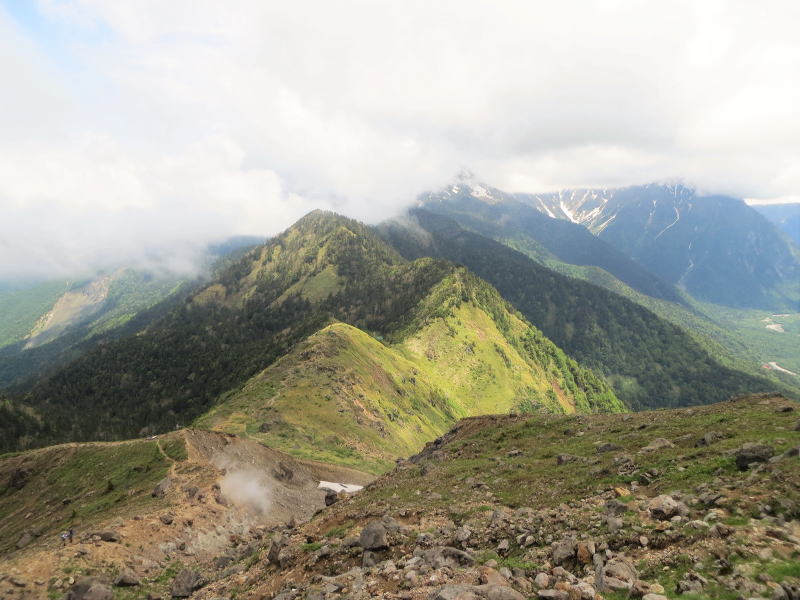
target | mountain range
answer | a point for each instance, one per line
(785, 216)
(717, 248)
(493, 344)
(391, 298)
(323, 269)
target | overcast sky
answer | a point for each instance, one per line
(134, 129)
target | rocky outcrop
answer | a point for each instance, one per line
(187, 582)
(752, 453)
(90, 588)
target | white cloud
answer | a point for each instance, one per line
(213, 118)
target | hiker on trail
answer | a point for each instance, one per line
(64, 537)
(71, 534)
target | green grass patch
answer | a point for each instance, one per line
(311, 547)
(175, 448)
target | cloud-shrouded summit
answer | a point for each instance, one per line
(137, 129)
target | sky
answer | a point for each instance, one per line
(136, 131)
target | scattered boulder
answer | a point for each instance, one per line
(691, 583)
(709, 438)
(126, 578)
(19, 478)
(221, 562)
(455, 592)
(620, 574)
(490, 576)
(751, 453)
(607, 447)
(552, 595)
(369, 559)
(476, 592)
(563, 551)
(25, 539)
(279, 542)
(563, 459)
(664, 507)
(448, 556)
(106, 536)
(614, 524)
(331, 497)
(90, 588)
(166, 519)
(373, 536)
(584, 552)
(498, 592)
(615, 507)
(186, 582)
(658, 444)
(162, 487)
(542, 580)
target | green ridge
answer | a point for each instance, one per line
(342, 396)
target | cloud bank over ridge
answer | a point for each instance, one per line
(138, 128)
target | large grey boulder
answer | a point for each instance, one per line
(108, 535)
(279, 542)
(455, 592)
(620, 573)
(373, 536)
(563, 551)
(499, 592)
(162, 487)
(186, 582)
(476, 592)
(25, 539)
(90, 588)
(331, 497)
(658, 444)
(126, 578)
(448, 556)
(665, 507)
(709, 438)
(751, 453)
(607, 447)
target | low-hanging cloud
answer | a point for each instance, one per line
(136, 131)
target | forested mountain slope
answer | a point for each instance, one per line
(344, 397)
(649, 361)
(323, 268)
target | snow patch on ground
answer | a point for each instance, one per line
(567, 212)
(340, 487)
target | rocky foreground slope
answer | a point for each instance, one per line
(141, 510)
(691, 503)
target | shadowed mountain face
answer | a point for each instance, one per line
(324, 268)
(513, 221)
(649, 361)
(785, 216)
(716, 248)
